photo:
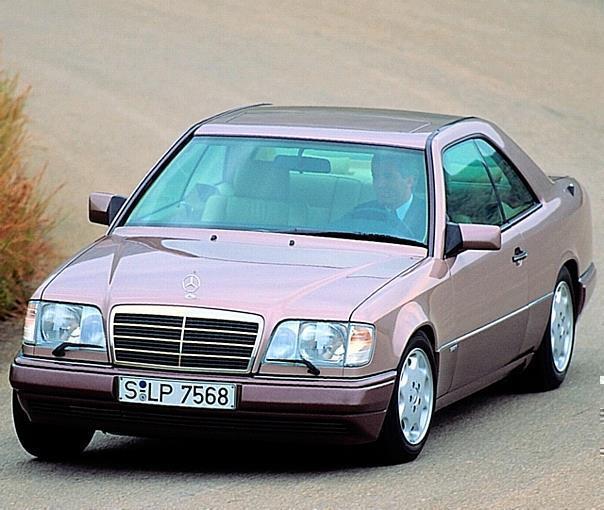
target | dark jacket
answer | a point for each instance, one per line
(413, 225)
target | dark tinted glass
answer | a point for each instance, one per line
(514, 195)
(471, 197)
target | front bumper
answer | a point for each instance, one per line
(332, 410)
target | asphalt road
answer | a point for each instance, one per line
(115, 82)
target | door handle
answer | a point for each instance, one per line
(519, 256)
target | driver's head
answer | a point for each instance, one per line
(393, 179)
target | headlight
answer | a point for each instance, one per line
(322, 343)
(51, 324)
(284, 341)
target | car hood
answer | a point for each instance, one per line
(273, 275)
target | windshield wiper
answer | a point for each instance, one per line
(365, 236)
(312, 369)
(60, 349)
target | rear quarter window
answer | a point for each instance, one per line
(514, 194)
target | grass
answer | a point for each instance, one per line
(26, 251)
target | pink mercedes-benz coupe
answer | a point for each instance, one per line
(308, 273)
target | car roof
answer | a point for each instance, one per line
(369, 119)
(368, 125)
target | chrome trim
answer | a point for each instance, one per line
(137, 325)
(146, 338)
(178, 328)
(453, 343)
(207, 330)
(519, 256)
(184, 312)
(511, 222)
(146, 352)
(181, 339)
(180, 354)
(224, 344)
(198, 342)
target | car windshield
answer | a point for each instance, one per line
(295, 186)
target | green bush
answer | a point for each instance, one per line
(26, 252)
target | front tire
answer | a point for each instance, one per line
(49, 442)
(549, 366)
(407, 423)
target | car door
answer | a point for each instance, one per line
(522, 210)
(490, 288)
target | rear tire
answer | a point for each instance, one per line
(550, 364)
(409, 417)
(48, 442)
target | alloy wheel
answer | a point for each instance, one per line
(416, 391)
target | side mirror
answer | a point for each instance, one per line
(103, 207)
(464, 237)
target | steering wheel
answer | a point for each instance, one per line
(381, 221)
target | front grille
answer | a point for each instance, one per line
(185, 338)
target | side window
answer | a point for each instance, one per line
(471, 197)
(514, 195)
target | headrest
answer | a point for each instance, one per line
(262, 179)
(303, 164)
(408, 162)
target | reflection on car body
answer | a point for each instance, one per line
(317, 274)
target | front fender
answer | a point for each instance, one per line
(421, 300)
(411, 317)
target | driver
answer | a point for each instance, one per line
(393, 183)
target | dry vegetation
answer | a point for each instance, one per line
(26, 252)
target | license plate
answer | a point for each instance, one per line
(166, 392)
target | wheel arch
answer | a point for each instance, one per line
(573, 268)
(412, 319)
(428, 330)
